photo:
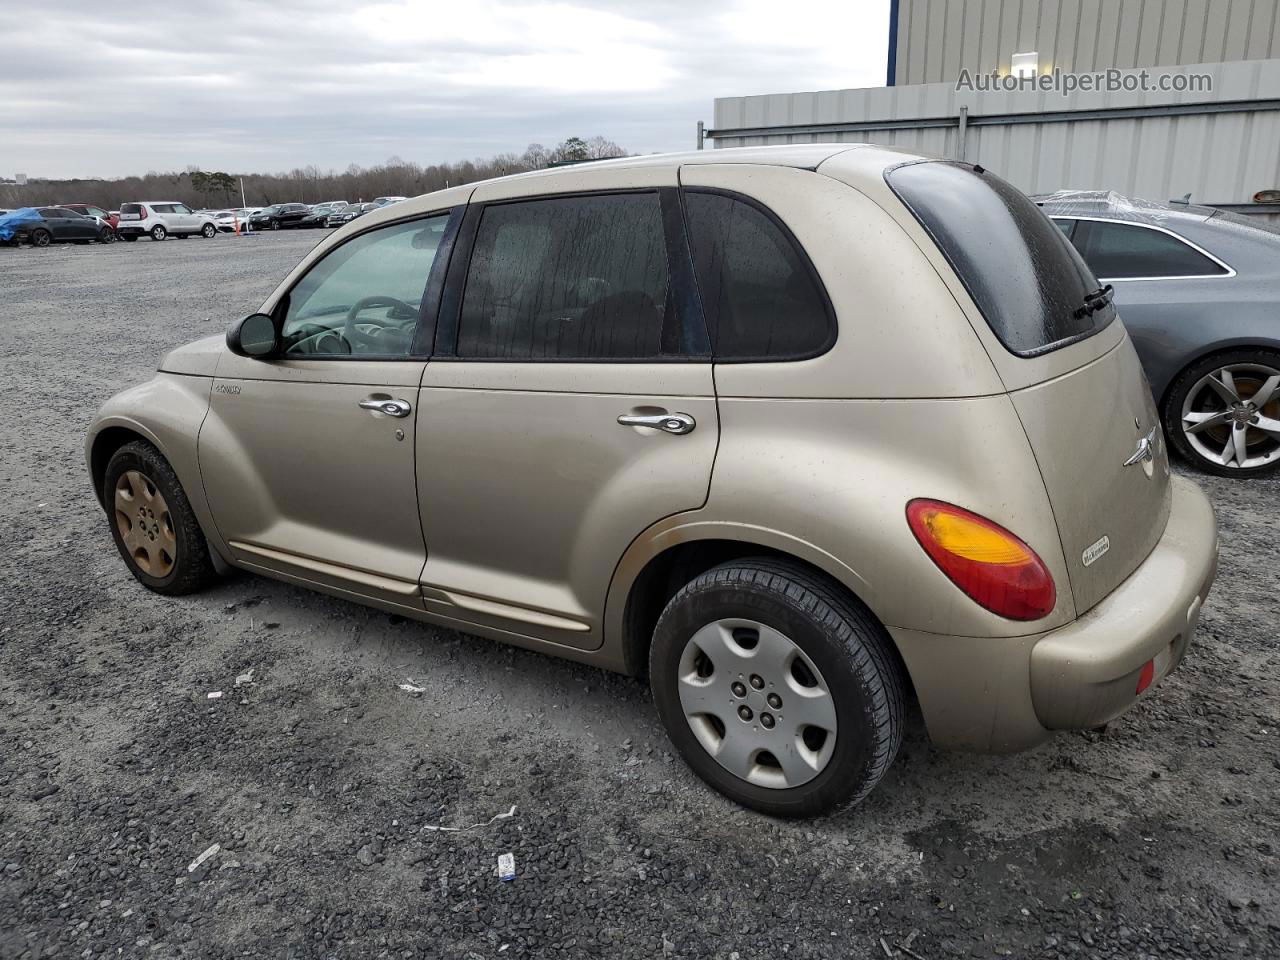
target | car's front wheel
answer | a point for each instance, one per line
(208, 231)
(158, 232)
(275, 224)
(1223, 413)
(779, 688)
(153, 524)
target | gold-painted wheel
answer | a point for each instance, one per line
(145, 524)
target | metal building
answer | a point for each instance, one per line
(1216, 137)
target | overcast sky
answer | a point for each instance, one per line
(105, 89)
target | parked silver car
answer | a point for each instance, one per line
(1199, 292)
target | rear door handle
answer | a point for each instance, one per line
(392, 408)
(677, 423)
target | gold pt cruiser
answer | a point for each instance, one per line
(800, 432)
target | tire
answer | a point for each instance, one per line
(837, 644)
(158, 232)
(106, 235)
(41, 238)
(208, 231)
(155, 529)
(1210, 425)
(275, 224)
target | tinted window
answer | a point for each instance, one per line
(1025, 276)
(364, 297)
(759, 294)
(130, 208)
(568, 278)
(1066, 226)
(50, 213)
(1125, 251)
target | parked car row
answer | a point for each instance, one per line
(159, 220)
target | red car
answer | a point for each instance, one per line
(89, 210)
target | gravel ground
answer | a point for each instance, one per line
(320, 780)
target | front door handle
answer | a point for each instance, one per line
(671, 422)
(392, 408)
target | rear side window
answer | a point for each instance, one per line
(1031, 285)
(569, 278)
(759, 293)
(1122, 251)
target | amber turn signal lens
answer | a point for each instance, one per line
(993, 567)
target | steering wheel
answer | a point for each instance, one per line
(357, 337)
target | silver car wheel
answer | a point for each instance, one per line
(1231, 416)
(757, 704)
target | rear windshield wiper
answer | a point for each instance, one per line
(1093, 302)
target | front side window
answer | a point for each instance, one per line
(759, 294)
(364, 297)
(1121, 251)
(569, 278)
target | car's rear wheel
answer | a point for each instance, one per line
(41, 238)
(1223, 413)
(208, 231)
(106, 235)
(152, 522)
(158, 232)
(778, 687)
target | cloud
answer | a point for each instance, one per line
(96, 89)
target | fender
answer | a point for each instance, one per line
(167, 411)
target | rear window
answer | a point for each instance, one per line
(130, 208)
(1033, 288)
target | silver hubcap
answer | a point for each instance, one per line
(1231, 416)
(757, 703)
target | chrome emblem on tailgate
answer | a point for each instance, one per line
(1095, 550)
(1145, 450)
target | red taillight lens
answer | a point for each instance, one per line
(142, 213)
(1146, 675)
(993, 567)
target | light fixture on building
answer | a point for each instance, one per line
(1025, 64)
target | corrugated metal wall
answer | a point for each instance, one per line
(1218, 157)
(938, 38)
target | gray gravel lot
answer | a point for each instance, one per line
(319, 778)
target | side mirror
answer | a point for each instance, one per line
(254, 336)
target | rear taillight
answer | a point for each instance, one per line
(142, 213)
(993, 567)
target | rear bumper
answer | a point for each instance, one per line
(1002, 695)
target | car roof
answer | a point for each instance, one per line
(1116, 206)
(872, 162)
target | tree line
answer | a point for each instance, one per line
(394, 178)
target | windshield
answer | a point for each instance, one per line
(1033, 288)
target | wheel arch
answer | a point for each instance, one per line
(103, 444)
(664, 559)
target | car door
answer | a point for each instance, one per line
(569, 404)
(184, 219)
(308, 458)
(81, 225)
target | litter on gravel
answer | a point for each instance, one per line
(194, 865)
(246, 677)
(215, 695)
(506, 865)
(475, 826)
(410, 687)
